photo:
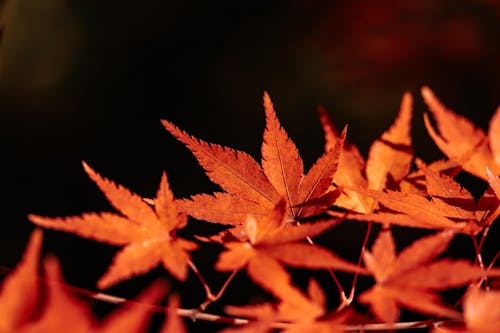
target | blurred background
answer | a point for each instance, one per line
(90, 80)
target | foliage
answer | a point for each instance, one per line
(269, 214)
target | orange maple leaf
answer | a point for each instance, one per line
(29, 306)
(460, 140)
(173, 323)
(252, 189)
(481, 310)
(264, 243)
(64, 312)
(389, 159)
(481, 313)
(20, 291)
(301, 320)
(494, 182)
(148, 234)
(412, 278)
(445, 204)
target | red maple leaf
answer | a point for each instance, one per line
(35, 303)
(460, 140)
(412, 278)
(255, 190)
(445, 204)
(263, 244)
(148, 234)
(311, 317)
(389, 160)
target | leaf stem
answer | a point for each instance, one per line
(479, 259)
(483, 237)
(344, 301)
(208, 291)
(495, 258)
(210, 297)
(213, 298)
(360, 258)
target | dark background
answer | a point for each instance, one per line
(90, 80)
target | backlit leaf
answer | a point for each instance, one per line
(250, 189)
(411, 279)
(147, 233)
(459, 139)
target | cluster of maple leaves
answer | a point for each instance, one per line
(272, 211)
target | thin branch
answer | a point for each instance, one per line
(195, 314)
(389, 327)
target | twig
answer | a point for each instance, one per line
(195, 314)
(388, 327)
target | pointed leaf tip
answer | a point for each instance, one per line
(16, 310)
(493, 181)
(86, 167)
(427, 93)
(343, 135)
(35, 241)
(266, 97)
(268, 104)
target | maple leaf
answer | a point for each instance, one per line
(412, 278)
(481, 313)
(264, 243)
(133, 316)
(494, 182)
(29, 306)
(19, 294)
(457, 203)
(301, 321)
(173, 322)
(253, 189)
(389, 159)
(63, 311)
(481, 310)
(445, 204)
(414, 182)
(460, 140)
(147, 233)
